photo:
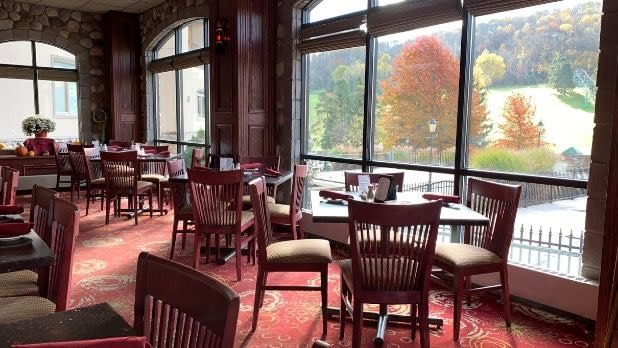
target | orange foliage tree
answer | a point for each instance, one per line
(424, 84)
(519, 130)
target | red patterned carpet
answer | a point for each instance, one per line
(104, 271)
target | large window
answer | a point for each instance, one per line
(520, 109)
(38, 78)
(180, 78)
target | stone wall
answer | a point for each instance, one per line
(155, 23)
(78, 32)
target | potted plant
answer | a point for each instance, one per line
(38, 125)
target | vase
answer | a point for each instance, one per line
(40, 135)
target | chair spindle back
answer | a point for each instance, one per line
(263, 228)
(216, 198)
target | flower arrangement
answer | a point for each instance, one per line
(37, 124)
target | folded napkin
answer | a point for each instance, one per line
(334, 195)
(15, 229)
(250, 165)
(115, 342)
(11, 218)
(271, 172)
(11, 209)
(444, 198)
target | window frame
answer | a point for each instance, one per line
(176, 33)
(460, 170)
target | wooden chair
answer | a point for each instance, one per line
(175, 302)
(307, 255)
(122, 179)
(154, 172)
(290, 215)
(25, 282)
(214, 159)
(83, 171)
(485, 249)
(10, 180)
(180, 203)
(55, 281)
(392, 249)
(63, 164)
(121, 143)
(216, 200)
(197, 157)
(351, 179)
(271, 162)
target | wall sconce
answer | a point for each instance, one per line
(222, 37)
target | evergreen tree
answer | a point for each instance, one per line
(561, 74)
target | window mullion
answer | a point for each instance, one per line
(369, 100)
(35, 80)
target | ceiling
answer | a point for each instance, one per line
(100, 6)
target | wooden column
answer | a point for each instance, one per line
(243, 81)
(122, 52)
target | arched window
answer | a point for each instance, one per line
(180, 80)
(37, 78)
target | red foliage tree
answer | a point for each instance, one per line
(519, 130)
(424, 84)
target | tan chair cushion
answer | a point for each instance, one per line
(98, 182)
(186, 210)
(246, 200)
(464, 255)
(14, 309)
(280, 210)
(299, 251)
(218, 217)
(383, 278)
(18, 283)
(154, 177)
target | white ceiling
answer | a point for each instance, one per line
(100, 6)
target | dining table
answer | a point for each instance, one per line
(25, 252)
(86, 323)
(458, 216)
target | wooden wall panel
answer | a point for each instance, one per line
(122, 43)
(223, 135)
(257, 140)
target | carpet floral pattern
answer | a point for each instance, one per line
(104, 271)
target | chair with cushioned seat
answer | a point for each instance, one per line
(53, 282)
(183, 213)
(10, 181)
(484, 249)
(176, 306)
(63, 165)
(122, 179)
(84, 171)
(307, 255)
(216, 200)
(154, 172)
(389, 270)
(270, 162)
(290, 215)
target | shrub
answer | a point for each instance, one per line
(532, 160)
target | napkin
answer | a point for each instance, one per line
(11, 218)
(444, 198)
(334, 195)
(11, 209)
(271, 172)
(115, 342)
(250, 165)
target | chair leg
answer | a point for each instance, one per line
(293, 230)
(324, 291)
(87, 198)
(102, 195)
(264, 281)
(207, 237)
(237, 239)
(342, 309)
(413, 322)
(107, 207)
(160, 198)
(468, 287)
(506, 297)
(196, 249)
(57, 182)
(424, 321)
(135, 207)
(357, 323)
(150, 201)
(184, 233)
(174, 232)
(258, 298)
(458, 300)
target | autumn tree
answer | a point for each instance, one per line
(424, 84)
(519, 130)
(488, 68)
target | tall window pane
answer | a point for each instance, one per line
(192, 36)
(17, 100)
(536, 72)
(166, 105)
(193, 105)
(52, 56)
(417, 90)
(16, 52)
(58, 100)
(336, 85)
(333, 8)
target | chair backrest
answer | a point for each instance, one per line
(392, 245)
(499, 202)
(61, 157)
(216, 198)
(121, 143)
(175, 305)
(298, 188)
(10, 180)
(121, 171)
(197, 157)
(64, 229)
(180, 190)
(351, 179)
(40, 207)
(263, 229)
(77, 157)
(270, 162)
